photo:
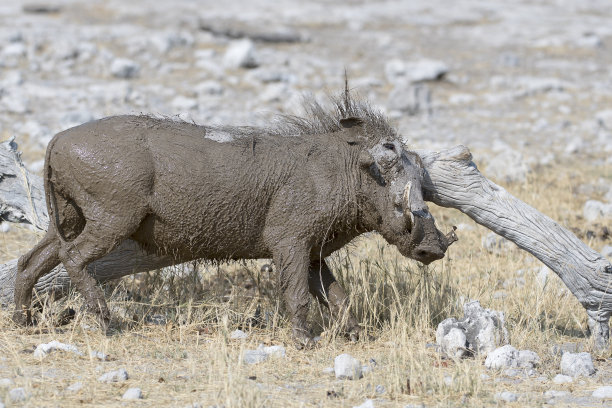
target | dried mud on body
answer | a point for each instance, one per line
(527, 89)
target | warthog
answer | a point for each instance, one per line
(294, 192)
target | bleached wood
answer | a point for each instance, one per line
(452, 180)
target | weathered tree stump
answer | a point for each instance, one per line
(452, 181)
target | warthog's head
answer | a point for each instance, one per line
(392, 188)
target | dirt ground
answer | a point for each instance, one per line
(526, 86)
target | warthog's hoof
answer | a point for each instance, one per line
(22, 317)
(303, 340)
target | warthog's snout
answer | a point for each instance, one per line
(428, 243)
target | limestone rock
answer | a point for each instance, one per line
(347, 367)
(577, 364)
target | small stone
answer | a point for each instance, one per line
(496, 244)
(380, 389)
(254, 356)
(275, 351)
(183, 103)
(556, 394)
(607, 251)
(577, 364)
(604, 118)
(484, 376)
(75, 387)
(347, 367)
(46, 348)
(501, 357)
(98, 355)
(454, 343)
(18, 395)
(6, 382)
(241, 54)
(415, 71)
(604, 392)
(506, 396)
(594, 210)
(238, 335)
(132, 394)
(328, 370)
(124, 68)
(114, 376)
(508, 166)
(367, 404)
(562, 379)
(5, 227)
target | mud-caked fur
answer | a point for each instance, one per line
(294, 192)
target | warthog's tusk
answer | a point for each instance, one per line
(451, 236)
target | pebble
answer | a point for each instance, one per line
(241, 54)
(496, 244)
(367, 404)
(347, 367)
(6, 382)
(44, 349)
(132, 394)
(607, 251)
(114, 376)
(506, 396)
(98, 355)
(556, 394)
(415, 71)
(18, 395)
(594, 210)
(238, 335)
(577, 364)
(604, 392)
(562, 379)
(75, 387)
(124, 68)
(254, 356)
(508, 166)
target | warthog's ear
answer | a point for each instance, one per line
(348, 123)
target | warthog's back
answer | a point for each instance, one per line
(205, 193)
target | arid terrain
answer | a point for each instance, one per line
(526, 86)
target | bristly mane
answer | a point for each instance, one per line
(318, 120)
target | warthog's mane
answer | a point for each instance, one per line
(321, 120)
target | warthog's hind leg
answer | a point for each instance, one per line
(30, 267)
(327, 290)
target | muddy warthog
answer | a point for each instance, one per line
(295, 193)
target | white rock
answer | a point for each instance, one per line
(328, 370)
(496, 244)
(577, 364)
(5, 227)
(124, 68)
(607, 251)
(241, 54)
(604, 392)
(254, 356)
(18, 395)
(275, 351)
(6, 382)
(132, 394)
(528, 359)
(506, 396)
(542, 276)
(410, 99)
(367, 404)
(184, 103)
(98, 355)
(562, 379)
(502, 357)
(238, 335)
(209, 87)
(604, 118)
(15, 102)
(75, 387)
(114, 376)
(46, 348)
(415, 71)
(594, 210)
(556, 394)
(508, 166)
(454, 343)
(347, 367)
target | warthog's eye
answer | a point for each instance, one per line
(389, 146)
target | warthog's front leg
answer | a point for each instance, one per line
(292, 262)
(324, 287)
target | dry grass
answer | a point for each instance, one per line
(171, 331)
